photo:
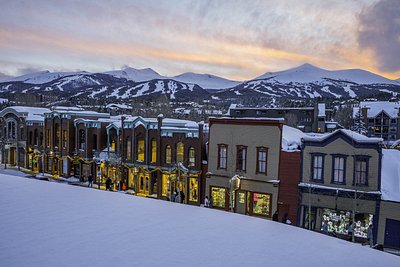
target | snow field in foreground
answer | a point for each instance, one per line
(52, 224)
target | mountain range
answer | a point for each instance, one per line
(305, 81)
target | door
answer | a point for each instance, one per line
(392, 233)
(12, 156)
(240, 202)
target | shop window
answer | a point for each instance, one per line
(153, 151)
(218, 195)
(241, 154)
(168, 154)
(262, 153)
(193, 190)
(179, 152)
(262, 204)
(64, 138)
(361, 171)
(165, 185)
(317, 167)
(339, 169)
(339, 221)
(140, 150)
(192, 159)
(222, 156)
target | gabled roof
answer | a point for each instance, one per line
(33, 114)
(356, 137)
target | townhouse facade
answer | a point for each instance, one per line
(63, 142)
(340, 182)
(381, 118)
(248, 151)
(22, 136)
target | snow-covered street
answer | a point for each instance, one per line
(54, 224)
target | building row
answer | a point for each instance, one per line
(256, 166)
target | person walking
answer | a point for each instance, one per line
(90, 180)
(370, 236)
(285, 219)
(182, 196)
(210, 202)
(206, 202)
(350, 231)
(275, 216)
(324, 227)
(108, 184)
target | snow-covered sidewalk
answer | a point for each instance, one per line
(53, 224)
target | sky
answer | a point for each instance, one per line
(235, 39)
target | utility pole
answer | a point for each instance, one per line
(354, 215)
(309, 206)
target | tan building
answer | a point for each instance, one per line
(340, 182)
(249, 148)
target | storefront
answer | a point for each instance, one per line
(338, 222)
(219, 197)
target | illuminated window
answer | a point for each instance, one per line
(262, 159)
(153, 151)
(192, 159)
(168, 154)
(193, 190)
(222, 156)
(218, 195)
(261, 204)
(113, 145)
(57, 135)
(48, 137)
(241, 153)
(64, 138)
(128, 148)
(140, 150)
(165, 185)
(179, 152)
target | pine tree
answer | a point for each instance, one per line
(359, 124)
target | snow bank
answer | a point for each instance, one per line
(390, 175)
(52, 224)
(291, 138)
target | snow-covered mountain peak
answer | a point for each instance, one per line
(40, 77)
(206, 81)
(308, 73)
(137, 75)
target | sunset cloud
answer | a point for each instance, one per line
(234, 39)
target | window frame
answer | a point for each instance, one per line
(180, 146)
(262, 149)
(313, 155)
(168, 154)
(153, 158)
(334, 157)
(220, 146)
(357, 158)
(192, 157)
(243, 160)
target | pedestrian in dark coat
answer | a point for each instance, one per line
(182, 196)
(275, 216)
(90, 180)
(108, 184)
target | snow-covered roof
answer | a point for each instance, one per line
(353, 135)
(390, 175)
(250, 118)
(376, 107)
(120, 106)
(291, 138)
(30, 113)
